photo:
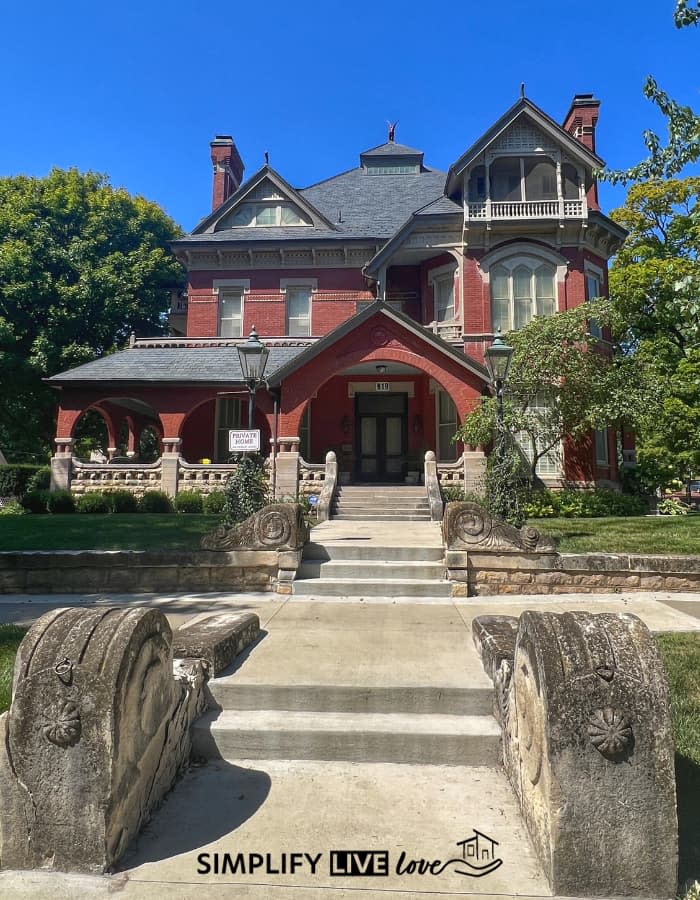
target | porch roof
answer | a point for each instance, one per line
(176, 361)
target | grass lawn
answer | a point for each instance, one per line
(681, 655)
(636, 534)
(10, 637)
(118, 531)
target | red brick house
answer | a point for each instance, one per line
(376, 291)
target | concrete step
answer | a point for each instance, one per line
(230, 693)
(381, 504)
(382, 516)
(398, 491)
(369, 587)
(378, 570)
(364, 551)
(371, 737)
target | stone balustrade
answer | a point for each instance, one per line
(137, 477)
(204, 478)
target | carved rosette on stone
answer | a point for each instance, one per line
(587, 746)
(279, 526)
(468, 526)
(96, 732)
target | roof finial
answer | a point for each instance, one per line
(267, 158)
(522, 89)
(392, 130)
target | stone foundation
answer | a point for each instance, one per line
(485, 573)
(137, 572)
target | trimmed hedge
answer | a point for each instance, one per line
(60, 502)
(122, 501)
(214, 503)
(14, 479)
(93, 502)
(155, 502)
(189, 502)
(35, 501)
(570, 503)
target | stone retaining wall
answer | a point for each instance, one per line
(484, 573)
(137, 571)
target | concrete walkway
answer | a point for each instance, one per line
(286, 806)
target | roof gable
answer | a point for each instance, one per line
(221, 218)
(523, 121)
(378, 308)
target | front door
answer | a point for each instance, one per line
(381, 437)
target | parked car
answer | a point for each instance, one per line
(694, 500)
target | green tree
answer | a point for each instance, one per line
(686, 13)
(655, 284)
(82, 265)
(563, 382)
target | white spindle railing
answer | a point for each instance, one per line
(526, 209)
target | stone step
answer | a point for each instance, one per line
(364, 551)
(371, 737)
(361, 587)
(383, 504)
(230, 693)
(382, 516)
(379, 570)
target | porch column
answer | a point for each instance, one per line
(62, 465)
(287, 463)
(170, 465)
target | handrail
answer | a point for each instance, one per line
(325, 501)
(432, 486)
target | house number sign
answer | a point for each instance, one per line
(381, 386)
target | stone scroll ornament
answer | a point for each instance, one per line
(96, 732)
(584, 708)
(279, 526)
(468, 526)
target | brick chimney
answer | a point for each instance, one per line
(228, 169)
(580, 122)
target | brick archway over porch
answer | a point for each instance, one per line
(380, 339)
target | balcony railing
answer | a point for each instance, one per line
(488, 210)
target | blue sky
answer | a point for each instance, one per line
(138, 89)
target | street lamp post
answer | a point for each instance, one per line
(498, 358)
(253, 359)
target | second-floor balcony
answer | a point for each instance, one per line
(488, 210)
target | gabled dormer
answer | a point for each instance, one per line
(392, 159)
(266, 200)
(525, 167)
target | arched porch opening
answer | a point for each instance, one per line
(205, 426)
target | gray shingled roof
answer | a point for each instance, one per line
(373, 205)
(440, 207)
(392, 149)
(172, 364)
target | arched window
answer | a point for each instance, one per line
(521, 287)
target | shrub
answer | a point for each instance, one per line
(121, 501)
(60, 502)
(40, 480)
(452, 494)
(571, 503)
(246, 489)
(673, 507)
(35, 501)
(14, 479)
(155, 502)
(11, 508)
(214, 503)
(189, 502)
(93, 502)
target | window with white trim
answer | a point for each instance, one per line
(594, 279)
(266, 206)
(228, 415)
(298, 310)
(446, 427)
(521, 287)
(230, 312)
(442, 281)
(602, 453)
(549, 463)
